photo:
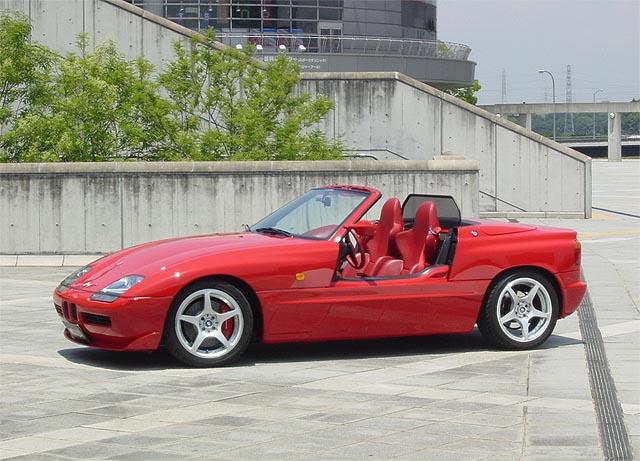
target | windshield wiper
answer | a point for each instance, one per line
(273, 230)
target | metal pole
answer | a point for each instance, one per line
(594, 114)
(553, 85)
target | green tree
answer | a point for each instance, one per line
(231, 108)
(468, 93)
(443, 49)
(100, 107)
(583, 124)
(96, 105)
(24, 67)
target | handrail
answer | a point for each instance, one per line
(346, 44)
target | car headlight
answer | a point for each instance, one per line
(73, 277)
(116, 289)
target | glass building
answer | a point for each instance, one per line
(333, 35)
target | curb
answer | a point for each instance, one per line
(46, 260)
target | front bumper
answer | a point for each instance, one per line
(132, 324)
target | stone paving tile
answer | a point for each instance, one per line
(420, 438)
(439, 454)
(390, 423)
(147, 455)
(542, 453)
(30, 457)
(337, 417)
(265, 451)
(91, 450)
(138, 440)
(509, 449)
(368, 450)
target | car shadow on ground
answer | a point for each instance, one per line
(303, 352)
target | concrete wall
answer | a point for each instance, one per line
(78, 208)
(443, 73)
(521, 172)
(57, 23)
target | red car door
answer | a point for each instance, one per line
(425, 303)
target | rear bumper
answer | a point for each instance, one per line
(573, 289)
(132, 324)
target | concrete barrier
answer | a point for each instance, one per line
(389, 115)
(80, 208)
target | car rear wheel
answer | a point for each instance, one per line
(520, 311)
(209, 324)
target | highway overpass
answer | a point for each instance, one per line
(614, 109)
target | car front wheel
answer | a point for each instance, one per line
(520, 311)
(209, 324)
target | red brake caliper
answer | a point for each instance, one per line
(227, 325)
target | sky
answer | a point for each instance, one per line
(600, 39)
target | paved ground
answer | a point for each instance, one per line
(446, 397)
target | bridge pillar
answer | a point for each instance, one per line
(614, 144)
(524, 120)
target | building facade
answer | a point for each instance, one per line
(333, 35)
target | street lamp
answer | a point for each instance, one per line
(594, 114)
(553, 84)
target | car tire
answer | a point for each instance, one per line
(209, 334)
(520, 310)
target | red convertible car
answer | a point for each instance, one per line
(316, 270)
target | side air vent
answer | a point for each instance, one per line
(96, 319)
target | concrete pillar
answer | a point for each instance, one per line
(524, 120)
(155, 7)
(614, 145)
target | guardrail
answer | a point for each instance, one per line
(346, 44)
(596, 139)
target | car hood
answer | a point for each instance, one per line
(164, 255)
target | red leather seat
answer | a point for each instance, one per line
(386, 266)
(377, 262)
(418, 246)
(389, 225)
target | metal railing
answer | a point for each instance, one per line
(346, 44)
(199, 15)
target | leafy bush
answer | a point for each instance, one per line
(24, 68)
(230, 108)
(96, 105)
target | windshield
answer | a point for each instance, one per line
(316, 214)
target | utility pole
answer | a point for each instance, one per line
(594, 114)
(553, 89)
(504, 86)
(568, 117)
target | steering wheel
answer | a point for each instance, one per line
(355, 250)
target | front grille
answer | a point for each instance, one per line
(73, 313)
(96, 319)
(68, 310)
